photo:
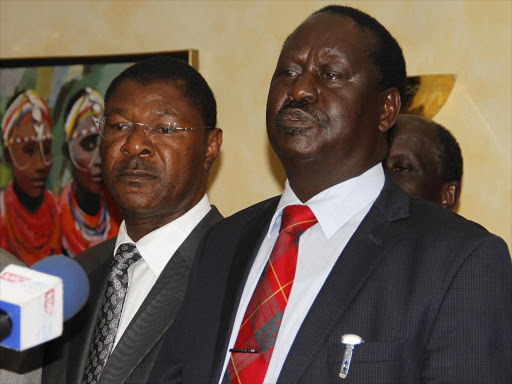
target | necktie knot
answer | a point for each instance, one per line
(126, 255)
(296, 219)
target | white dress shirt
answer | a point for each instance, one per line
(156, 249)
(339, 211)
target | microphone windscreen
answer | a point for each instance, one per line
(75, 283)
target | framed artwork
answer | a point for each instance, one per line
(51, 196)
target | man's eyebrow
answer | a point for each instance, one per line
(402, 156)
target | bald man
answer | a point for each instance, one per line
(425, 160)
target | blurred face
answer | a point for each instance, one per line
(145, 176)
(85, 156)
(412, 161)
(30, 159)
(323, 104)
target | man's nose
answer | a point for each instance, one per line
(137, 143)
(305, 87)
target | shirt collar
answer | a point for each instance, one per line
(336, 205)
(157, 247)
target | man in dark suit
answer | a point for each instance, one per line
(384, 288)
(425, 160)
(158, 143)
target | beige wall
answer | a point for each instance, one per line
(238, 45)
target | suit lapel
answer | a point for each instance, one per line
(158, 310)
(367, 247)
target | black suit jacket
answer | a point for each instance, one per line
(429, 292)
(133, 358)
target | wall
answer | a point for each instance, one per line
(238, 45)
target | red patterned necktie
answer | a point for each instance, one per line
(258, 333)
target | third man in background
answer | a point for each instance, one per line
(425, 160)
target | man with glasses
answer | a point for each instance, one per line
(87, 215)
(29, 220)
(158, 142)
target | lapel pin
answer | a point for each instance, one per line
(350, 342)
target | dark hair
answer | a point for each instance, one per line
(387, 56)
(449, 154)
(446, 150)
(164, 68)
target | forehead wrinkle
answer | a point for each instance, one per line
(164, 112)
(326, 47)
(328, 54)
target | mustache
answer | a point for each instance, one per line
(135, 164)
(305, 105)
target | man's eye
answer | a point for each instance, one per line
(291, 73)
(401, 169)
(119, 126)
(164, 129)
(330, 76)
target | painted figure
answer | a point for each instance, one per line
(87, 215)
(29, 222)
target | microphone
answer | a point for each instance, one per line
(34, 302)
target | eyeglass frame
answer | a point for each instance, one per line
(100, 123)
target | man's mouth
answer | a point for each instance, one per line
(294, 117)
(135, 175)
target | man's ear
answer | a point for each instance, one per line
(213, 144)
(450, 192)
(390, 101)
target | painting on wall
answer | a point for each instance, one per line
(52, 199)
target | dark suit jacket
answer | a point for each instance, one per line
(429, 292)
(133, 358)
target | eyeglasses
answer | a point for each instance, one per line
(114, 128)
